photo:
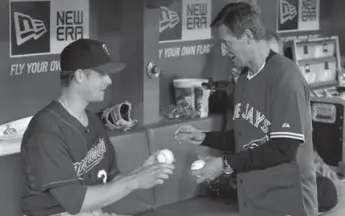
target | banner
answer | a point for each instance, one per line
(309, 15)
(185, 20)
(46, 26)
(298, 15)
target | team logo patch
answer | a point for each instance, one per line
(286, 125)
(255, 143)
(105, 49)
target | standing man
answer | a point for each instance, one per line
(69, 163)
(272, 124)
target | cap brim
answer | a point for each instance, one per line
(111, 67)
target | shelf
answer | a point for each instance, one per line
(322, 85)
(315, 42)
(316, 60)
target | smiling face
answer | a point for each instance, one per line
(234, 48)
(92, 85)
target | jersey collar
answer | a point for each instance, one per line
(249, 73)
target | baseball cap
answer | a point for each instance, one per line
(88, 54)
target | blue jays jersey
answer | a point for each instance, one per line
(274, 103)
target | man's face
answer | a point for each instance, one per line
(94, 85)
(233, 47)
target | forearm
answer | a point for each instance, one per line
(100, 196)
(275, 152)
(76, 198)
(221, 140)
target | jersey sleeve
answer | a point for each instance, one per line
(289, 106)
(113, 170)
(47, 162)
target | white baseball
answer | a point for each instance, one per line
(196, 165)
(165, 156)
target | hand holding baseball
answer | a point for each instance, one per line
(165, 156)
(152, 175)
(211, 169)
(160, 156)
(152, 159)
(155, 169)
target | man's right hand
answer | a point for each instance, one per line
(152, 175)
(189, 134)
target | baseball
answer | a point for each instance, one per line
(196, 165)
(165, 156)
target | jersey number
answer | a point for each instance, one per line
(102, 174)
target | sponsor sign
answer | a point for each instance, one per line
(298, 15)
(185, 20)
(46, 26)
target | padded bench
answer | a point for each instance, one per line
(180, 195)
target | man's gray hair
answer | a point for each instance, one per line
(239, 17)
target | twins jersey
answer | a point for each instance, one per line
(274, 103)
(58, 151)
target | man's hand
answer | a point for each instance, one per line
(152, 159)
(189, 134)
(152, 175)
(212, 169)
(325, 171)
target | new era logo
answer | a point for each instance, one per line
(287, 11)
(27, 28)
(286, 125)
(168, 19)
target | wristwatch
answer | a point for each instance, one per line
(226, 167)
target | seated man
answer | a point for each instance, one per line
(68, 161)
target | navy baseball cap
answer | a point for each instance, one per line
(88, 54)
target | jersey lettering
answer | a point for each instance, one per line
(259, 118)
(93, 157)
(244, 114)
(252, 115)
(237, 111)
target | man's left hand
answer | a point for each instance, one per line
(152, 159)
(212, 169)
